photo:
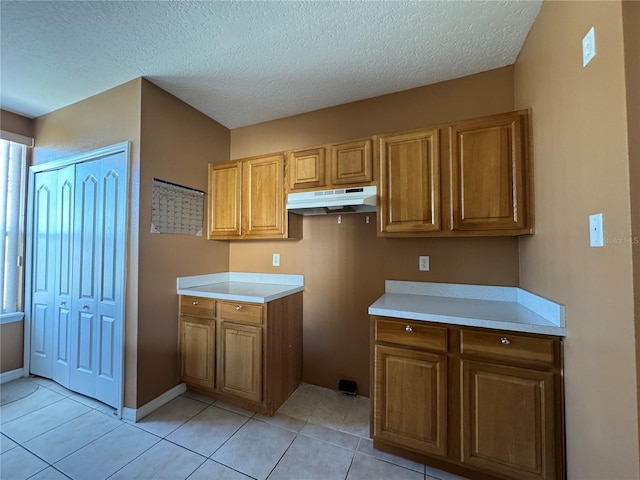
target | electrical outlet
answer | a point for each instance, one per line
(424, 263)
(276, 259)
(588, 47)
(596, 230)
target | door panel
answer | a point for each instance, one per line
(64, 277)
(43, 273)
(410, 399)
(110, 277)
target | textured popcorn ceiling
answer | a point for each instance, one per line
(247, 62)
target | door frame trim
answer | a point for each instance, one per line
(122, 147)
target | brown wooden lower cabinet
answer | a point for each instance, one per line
(484, 404)
(247, 354)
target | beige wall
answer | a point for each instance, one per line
(14, 123)
(581, 167)
(11, 346)
(177, 143)
(104, 119)
(345, 265)
(631, 27)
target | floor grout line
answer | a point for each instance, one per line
(349, 413)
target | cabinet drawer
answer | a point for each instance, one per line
(412, 334)
(197, 306)
(506, 346)
(241, 312)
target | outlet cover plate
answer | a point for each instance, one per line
(276, 259)
(423, 263)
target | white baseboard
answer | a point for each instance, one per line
(12, 375)
(136, 414)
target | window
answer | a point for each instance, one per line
(12, 169)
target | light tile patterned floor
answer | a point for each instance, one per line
(317, 434)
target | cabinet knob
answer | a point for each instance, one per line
(505, 341)
(408, 328)
(195, 302)
(238, 307)
(63, 304)
(85, 307)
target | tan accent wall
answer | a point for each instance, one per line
(14, 123)
(580, 146)
(11, 346)
(104, 119)
(177, 143)
(631, 28)
(345, 265)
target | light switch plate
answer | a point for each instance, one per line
(596, 231)
(588, 46)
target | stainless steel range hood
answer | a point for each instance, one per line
(342, 200)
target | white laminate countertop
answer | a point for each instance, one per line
(241, 287)
(502, 308)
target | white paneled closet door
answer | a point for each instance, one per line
(78, 253)
(64, 275)
(98, 266)
(45, 201)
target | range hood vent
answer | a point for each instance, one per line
(325, 202)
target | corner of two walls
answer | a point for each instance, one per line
(345, 265)
(581, 167)
(177, 143)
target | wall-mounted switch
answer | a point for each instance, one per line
(588, 47)
(276, 259)
(596, 230)
(424, 263)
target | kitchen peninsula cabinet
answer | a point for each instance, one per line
(247, 200)
(247, 352)
(500, 419)
(468, 379)
(331, 166)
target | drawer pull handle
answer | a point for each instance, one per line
(408, 328)
(238, 307)
(195, 302)
(505, 341)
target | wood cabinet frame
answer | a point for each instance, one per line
(272, 334)
(525, 370)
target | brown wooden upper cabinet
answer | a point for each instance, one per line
(409, 183)
(247, 200)
(489, 174)
(470, 178)
(336, 165)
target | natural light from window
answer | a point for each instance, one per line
(12, 167)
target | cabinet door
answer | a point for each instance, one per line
(351, 163)
(225, 200)
(409, 182)
(197, 351)
(306, 169)
(263, 197)
(488, 169)
(410, 399)
(508, 421)
(241, 360)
